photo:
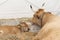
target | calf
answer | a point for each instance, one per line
(22, 27)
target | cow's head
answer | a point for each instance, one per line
(23, 27)
(40, 17)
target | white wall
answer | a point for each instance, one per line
(14, 8)
(20, 8)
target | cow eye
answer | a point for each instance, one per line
(37, 17)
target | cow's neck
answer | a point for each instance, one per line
(47, 18)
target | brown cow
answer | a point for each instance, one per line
(15, 31)
(50, 25)
(22, 27)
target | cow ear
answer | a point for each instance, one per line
(32, 8)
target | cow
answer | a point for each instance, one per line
(22, 27)
(15, 31)
(49, 23)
